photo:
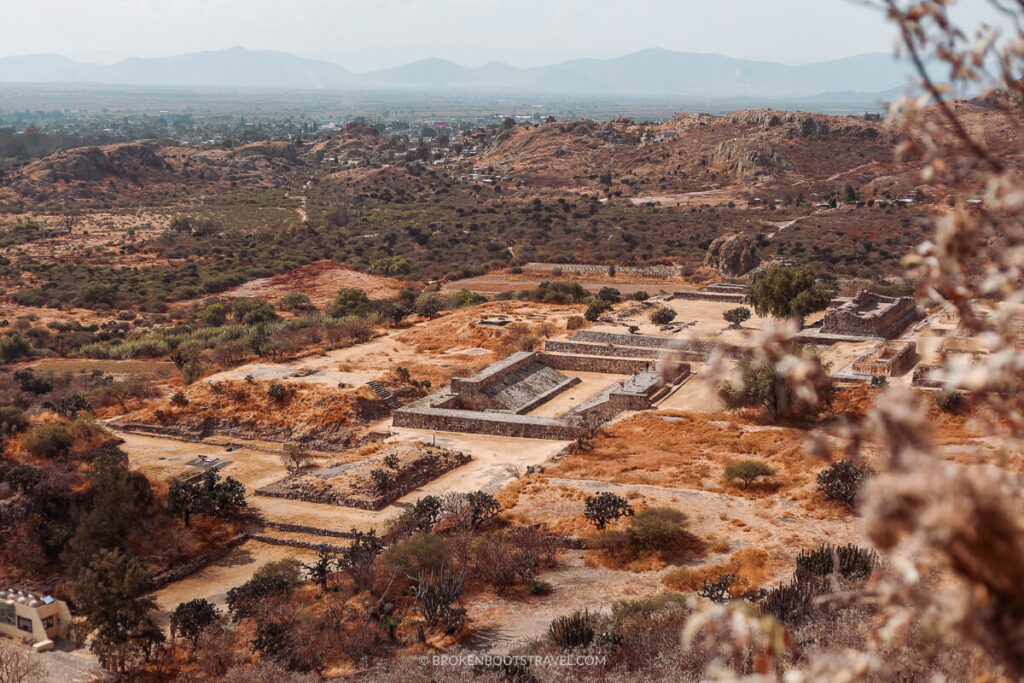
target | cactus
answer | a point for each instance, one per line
(791, 602)
(854, 562)
(573, 630)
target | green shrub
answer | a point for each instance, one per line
(13, 347)
(949, 401)
(657, 528)
(595, 308)
(48, 441)
(748, 470)
(663, 316)
(842, 480)
(420, 552)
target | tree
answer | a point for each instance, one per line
(382, 480)
(191, 618)
(295, 301)
(434, 594)
(13, 347)
(509, 123)
(17, 666)
(107, 523)
(610, 294)
(357, 559)
(663, 315)
(215, 315)
(842, 480)
(253, 312)
(595, 308)
(763, 385)
(783, 292)
(606, 507)
(295, 456)
(737, 316)
(349, 301)
(320, 570)
(483, 507)
(110, 594)
(183, 499)
(748, 470)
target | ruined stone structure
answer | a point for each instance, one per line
(870, 315)
(496, 400)
(721, 293)
(592, 269)
(888, 359)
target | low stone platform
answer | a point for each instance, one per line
(459, 408)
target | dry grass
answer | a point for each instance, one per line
(751, 566)
(689, 450)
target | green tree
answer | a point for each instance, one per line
(110, 593)
(349, 301)
(783, 292)
(215, 315)
(191, 618)
(108, 522)
(748, 470)
(841, 481)
(737, 316)
(595, 308)
(320, 571)
(253, 312)
(606, 507)
(13, 347)
(183, 500)
(763, 386)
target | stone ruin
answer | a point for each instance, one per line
(496, 400)
(869, 315)
(888, 359)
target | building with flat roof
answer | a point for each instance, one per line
(31, 618)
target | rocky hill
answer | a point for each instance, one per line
(132, 169)
(690, 151)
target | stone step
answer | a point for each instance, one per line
(384, 394)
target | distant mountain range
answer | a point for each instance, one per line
(648, 72)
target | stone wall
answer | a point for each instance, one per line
(648, 341)
(870, 314)
(494, 372)
(888, 359)
(473, 422)
(612, 366)
(591, 269)
(706, 295)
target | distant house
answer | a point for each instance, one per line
(35, 619)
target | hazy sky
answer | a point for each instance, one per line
(368, 34)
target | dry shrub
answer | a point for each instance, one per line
(751, 566)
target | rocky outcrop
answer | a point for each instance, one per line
(731, 255)
(748, 158)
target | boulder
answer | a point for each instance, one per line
(731, 255)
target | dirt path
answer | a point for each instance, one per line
(779, 227)
(499, 624)
(851, 170)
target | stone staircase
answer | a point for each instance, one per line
(385, 395)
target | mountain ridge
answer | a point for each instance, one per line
(653, 71)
